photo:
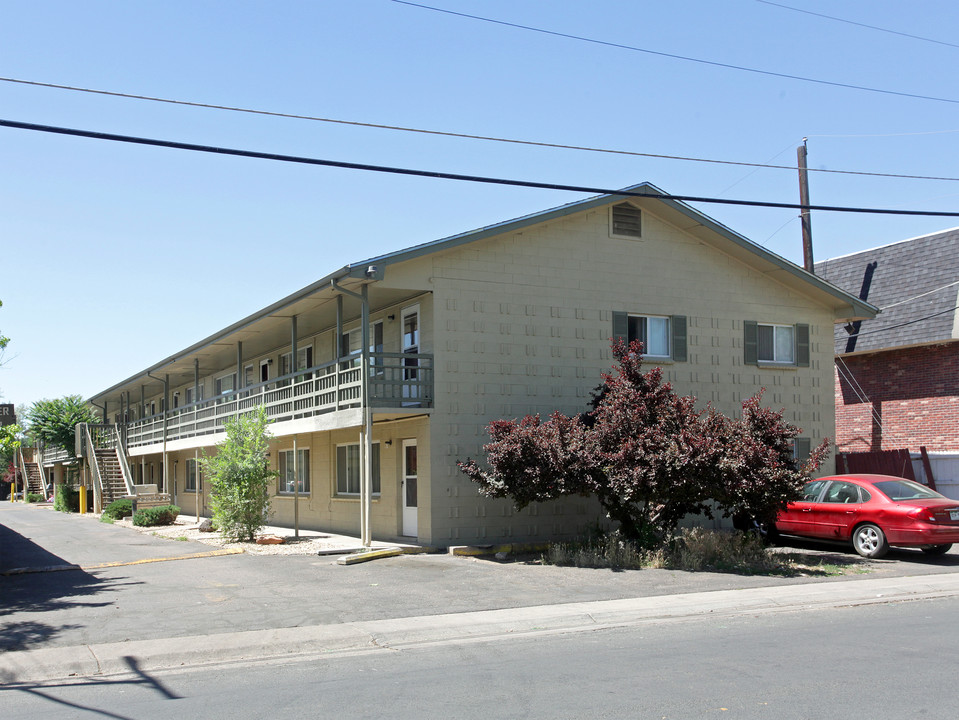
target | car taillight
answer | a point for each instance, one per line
(923, 514)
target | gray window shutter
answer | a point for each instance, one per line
(803, 448)
(802, 345)
(677, 325)
(750, 342)
(620, 326)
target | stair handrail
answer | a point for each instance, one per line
(121, 449)
(92, 459)
(23, 474)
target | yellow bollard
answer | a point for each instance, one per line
(83, 499)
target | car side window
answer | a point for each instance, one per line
(841, 492)
(810, 492)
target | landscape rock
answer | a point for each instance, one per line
(206, 526)
(269, 540)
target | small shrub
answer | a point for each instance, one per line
(700, 549)
(66, 499)
(118, 509)
(162, 515)
(35, 497)
(610, 550)
(693, 549)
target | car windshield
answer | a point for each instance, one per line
(905, 490)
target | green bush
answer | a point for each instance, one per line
(118, 509)
(35, 497)
(161, 515)
(66, 499)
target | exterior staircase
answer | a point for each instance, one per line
(111, 475)
(34, 481)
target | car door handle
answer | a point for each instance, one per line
(807, 509)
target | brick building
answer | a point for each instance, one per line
(897, 375)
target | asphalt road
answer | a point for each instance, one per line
(234, 593)
(875, 661)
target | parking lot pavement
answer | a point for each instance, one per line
(199, 596)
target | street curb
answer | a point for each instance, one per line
(399, 633)
(482, 550)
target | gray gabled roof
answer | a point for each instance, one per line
(846, 305)
(915, 283)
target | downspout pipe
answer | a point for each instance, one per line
(366, 479)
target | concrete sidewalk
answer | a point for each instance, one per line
(399, 633)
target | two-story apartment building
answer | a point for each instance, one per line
(444, 337)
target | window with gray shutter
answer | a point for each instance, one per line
(662, 337)
(751, 342)
(620, 325)
(802, 345)
(678, 327)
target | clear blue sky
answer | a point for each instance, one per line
(114, 256)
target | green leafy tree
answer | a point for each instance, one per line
(4, 341)
(240, 477)
(53, 422)
(647, 455)
(11, 438)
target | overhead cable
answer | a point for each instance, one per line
(910, 322)
(713, 63)
(858, 24)
(471, 136)
(456, 176)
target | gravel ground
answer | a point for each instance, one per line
(309, 543)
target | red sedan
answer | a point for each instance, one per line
(874, 512)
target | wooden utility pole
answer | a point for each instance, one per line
(804, 213)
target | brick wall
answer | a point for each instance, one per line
(912, 400)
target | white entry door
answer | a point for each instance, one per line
(408, 489)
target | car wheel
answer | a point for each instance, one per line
(870, 541)
(936, 549)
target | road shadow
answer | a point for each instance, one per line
(842, 553)
(34, 581)
(55, 693)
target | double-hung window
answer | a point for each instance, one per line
(348, 469)
(291, 477)
(194, 478)
(226, 384)
(766, 343)
(663, 336)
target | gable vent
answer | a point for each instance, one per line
(626, 220)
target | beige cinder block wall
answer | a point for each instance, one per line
(521, 324)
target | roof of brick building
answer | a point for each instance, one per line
(915, 283)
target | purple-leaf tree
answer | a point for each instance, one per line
(647, 454)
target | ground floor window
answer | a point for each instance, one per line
(194, 476)
(348, 469)
(290, 480)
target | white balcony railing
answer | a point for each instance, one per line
(397, 380)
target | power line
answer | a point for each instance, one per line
(713, 63)
(910, 322)
(452, 176)
(859, 24)
(470, 136)
(922, 295)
